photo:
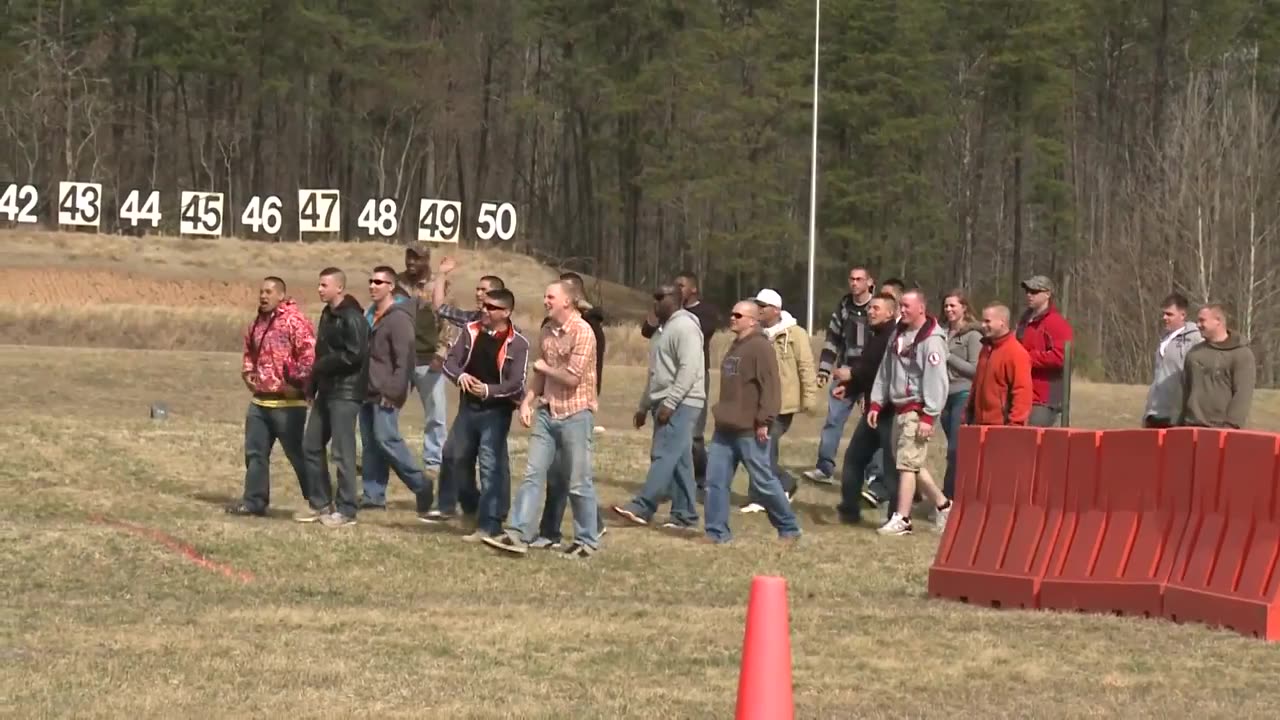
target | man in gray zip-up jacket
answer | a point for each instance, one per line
(1164, 399)
(913, 378)
(675, 394)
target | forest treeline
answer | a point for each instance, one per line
(1124, 148)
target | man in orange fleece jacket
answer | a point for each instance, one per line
(1002, 390)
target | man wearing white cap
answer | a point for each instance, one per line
(798, 376)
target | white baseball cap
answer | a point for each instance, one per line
(768, 297)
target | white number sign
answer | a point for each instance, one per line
(379, 218)
(148, 212)
(80, 204)
(263, 215)
(201, 213)
(497, 220)
(18, 203)
(318, 211)
(439, 220)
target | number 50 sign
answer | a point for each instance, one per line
(441, 221)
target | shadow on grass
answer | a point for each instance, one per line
(223, 500)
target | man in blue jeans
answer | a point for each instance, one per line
(675, 396)
(750, 395)
(391, 361)
(428, 379)
(560, 407)
(845, 338)
(487, 362)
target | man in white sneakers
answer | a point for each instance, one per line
(913, 379)
(1164, 399)
(674, 396)
(796, 377)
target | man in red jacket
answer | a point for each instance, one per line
(279, 352)
(1045, 334)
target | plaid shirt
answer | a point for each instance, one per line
(572, 347)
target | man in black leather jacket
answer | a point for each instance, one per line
(339, 385)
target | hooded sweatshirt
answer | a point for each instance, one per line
(391, 354)
(796, 375)
(749, 392)
(676, 365)
(1217, 384)
(1164, 399)
(913, 375)
(279, 352)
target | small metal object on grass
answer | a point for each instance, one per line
(159, 411)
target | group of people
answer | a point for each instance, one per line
(910, 371)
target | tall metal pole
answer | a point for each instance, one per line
(813, 163)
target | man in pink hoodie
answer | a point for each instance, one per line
(279, 351)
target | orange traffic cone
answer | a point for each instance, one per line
(764, 685)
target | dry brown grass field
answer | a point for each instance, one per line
(392, 618)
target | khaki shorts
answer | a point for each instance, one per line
(910, 450)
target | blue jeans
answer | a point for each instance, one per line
(385, 450)
(569, 437)
(263, 427)
(457, 480)
(558, 496)
(780, 426)
(670, 469)
(866, 445)
(952, 415)
(723, 455)
(432, 390)
(481, 433)
(838, 412)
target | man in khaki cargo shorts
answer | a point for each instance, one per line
(913, 379)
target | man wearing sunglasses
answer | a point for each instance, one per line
(1045, 334)
(392, 358)
(750, 396)
(487, 363)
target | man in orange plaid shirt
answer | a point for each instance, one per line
(560, 407)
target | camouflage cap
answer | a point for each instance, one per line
(1038, 283)
(420, 249)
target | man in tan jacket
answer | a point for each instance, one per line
(798, 376)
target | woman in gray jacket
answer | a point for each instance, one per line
(964, 342)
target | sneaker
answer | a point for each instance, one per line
(244, 510)
(577, 551)
(506, 542)
(433, 517)
(816, 475)
(476, 537)
(674, 526)
(310, 516)
(751, 508)
(897, 525)
(337, 520)
(940, 518)
(791, 496)
(541, 543)
(870, 499)
(629, 516)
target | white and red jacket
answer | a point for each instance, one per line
(279, 350)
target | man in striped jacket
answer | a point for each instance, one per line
(846, 336)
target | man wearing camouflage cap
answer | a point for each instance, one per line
(1045, 334)
(431, 344)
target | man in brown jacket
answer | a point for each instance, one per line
(750, 395)
(1218, 375)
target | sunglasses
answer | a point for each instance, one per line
(736, 316)
(491, 306)
(376, 281)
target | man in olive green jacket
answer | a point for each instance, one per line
(1218, 375)
(798, 376)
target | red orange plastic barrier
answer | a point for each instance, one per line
(1179, 523)
(1225, 573)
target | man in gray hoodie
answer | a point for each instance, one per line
(913, 379)
(675, 396)
(391, 364)
(1164, 399)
